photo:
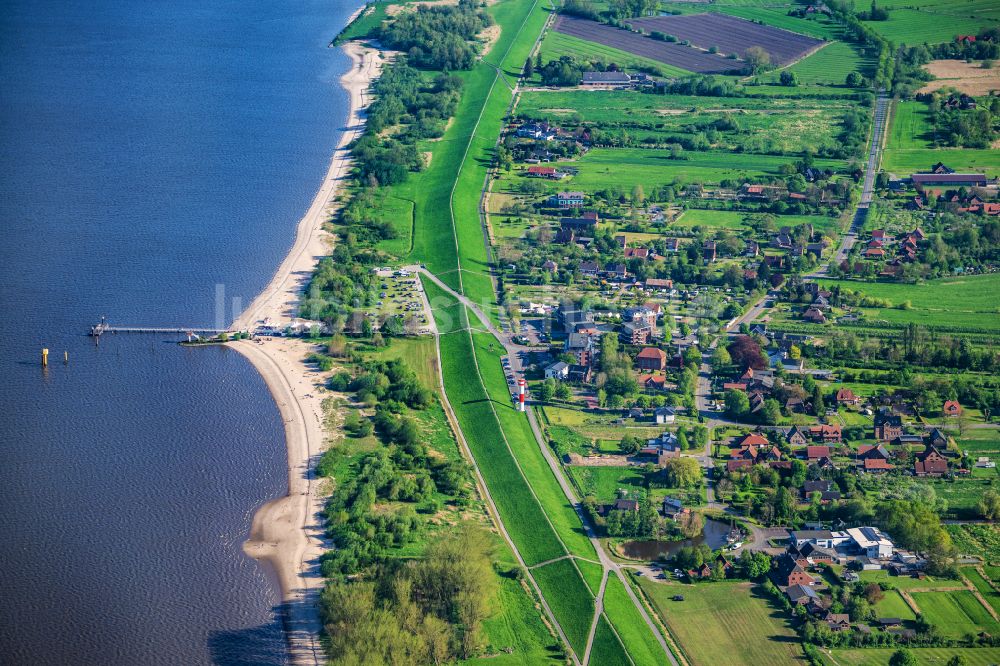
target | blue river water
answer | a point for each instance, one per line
(155, 154)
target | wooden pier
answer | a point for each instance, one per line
(100, 329)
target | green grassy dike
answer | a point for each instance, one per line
(448, 233)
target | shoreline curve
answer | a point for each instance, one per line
(287, 532)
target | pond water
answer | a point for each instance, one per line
(714, 535)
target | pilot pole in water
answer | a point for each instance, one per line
(45, 358)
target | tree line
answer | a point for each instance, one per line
(437, 37)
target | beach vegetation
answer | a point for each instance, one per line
(422, 611)
(437, 37)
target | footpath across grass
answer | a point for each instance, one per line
(607, 649)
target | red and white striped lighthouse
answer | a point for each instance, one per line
(522, 389)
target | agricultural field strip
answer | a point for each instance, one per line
(558, 44)
(732, 35)
(683, 57)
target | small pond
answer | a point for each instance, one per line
(714, 535)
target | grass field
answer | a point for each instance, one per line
(736, 220)
(624, 168)
(925, 656)
(725, 623)
(926, 25)
(966, 302)
(569, 599)
(592, 574)
(607, 648)
(605, 482)
(818, 26)
(517, 627)
(910, 146)
(955, 614)
(907, 583)
(893, 605)
(556, 45)
(639, 641)
(831, 65)
(983, 587)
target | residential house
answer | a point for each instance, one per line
(674, 508)
(665, 415)
(559, 370)
(815, 453)
(826, 432)
(586, 224)
(888, 426)
(709, 251)
(952, 408)
(550, 266)
(653, 382)
(814, 315)
(626, 505)
(930, 463)
(568, 199)
(545, 172)
(937, 438)
(788, 572)
(581, 374)
(845, 396)
(655, 284)
(590, 268)
(795, 436)
(838, 621)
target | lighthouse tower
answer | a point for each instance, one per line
(522, 389)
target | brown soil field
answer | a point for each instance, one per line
(969, 78)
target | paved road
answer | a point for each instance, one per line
(848, 240)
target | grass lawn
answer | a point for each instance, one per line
(605, 482)
(963, 495)
(893, 605)
(607, 648)
(925, 656)
(592, 574)
(983, 586)
(736, 220)
(926, 26)
(979, 440)
(957, 302)
(601, 168)
(725, 623)
(831, 65)
(905, 582)
(955, 614)
(569, 599)
(518, 627)
(903, 162)
(419, 353)
(640, 642)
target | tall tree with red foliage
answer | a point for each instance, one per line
(746, 353)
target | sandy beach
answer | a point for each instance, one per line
(287, 532)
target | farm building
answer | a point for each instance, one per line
(545, 172)
(950, 179)
(606, 79)
(567, 199)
